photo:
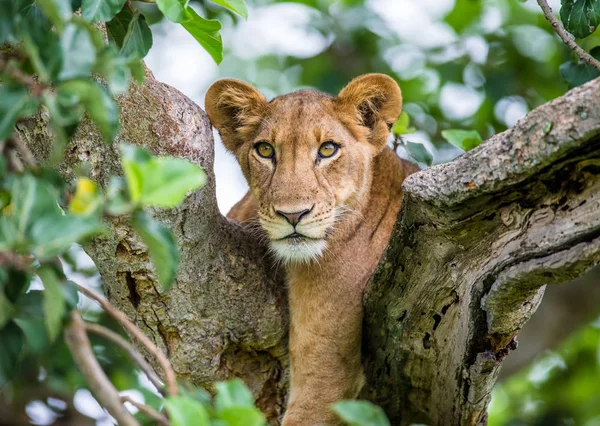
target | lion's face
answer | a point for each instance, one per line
(307, 156)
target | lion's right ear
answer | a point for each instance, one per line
(234, 108)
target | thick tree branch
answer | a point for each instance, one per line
(476, 241)
(90, 368)
(565, 37)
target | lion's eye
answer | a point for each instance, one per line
(265, 150)
(328, 149)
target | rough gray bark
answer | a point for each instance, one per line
(475, 243)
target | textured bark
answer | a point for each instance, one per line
(475, 243)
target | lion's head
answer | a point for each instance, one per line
(307, 156)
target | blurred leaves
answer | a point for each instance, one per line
(98, 103)
(78, 51)
(360, 413)
(54, 302)
(235, 404)
(185, 411)
(577, 73)
(463, 139)
(159, 181)
(401, 126)
(419, 153)
(161, 246)
(561, 387)
(100, 10)
(15, 102)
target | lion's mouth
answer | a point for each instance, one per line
(297, 237)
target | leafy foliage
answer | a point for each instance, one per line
(48, 63)
(580, 17)
(360, 413)
(577, 73)
(463, 139)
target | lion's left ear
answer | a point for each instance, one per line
(377, 102)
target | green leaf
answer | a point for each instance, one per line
(174, 10)
(243, 416)
(54, 301)
(114, 68)
(401, 126)
(15, 102)
(118, 26)
(35, 333)
(99, 104)
(116, 195)
(138, 39)
(7, 309)
(161, 246)
(9, 235)
(30, 319)
(100, 10)
(237, 6)
(580, 17)
(137, 70)
(12, 345)
(58, 11)
(360, 413)
(40, 42)
(79, 53)
(463, 139)
(578, 73)
(53, 234)
(185, 412)
(206, 32)
(419, 152)
(232, 393)
(32, 199)
(159, 181)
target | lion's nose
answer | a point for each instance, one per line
(295, 217)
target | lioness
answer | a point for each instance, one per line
(326, 189)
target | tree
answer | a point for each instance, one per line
(475, 243)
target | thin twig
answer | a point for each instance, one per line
(90, 368)
(131, 328)
(147, 410)
(32, 84)
(128, 348)
(564, 35)
(128, 4)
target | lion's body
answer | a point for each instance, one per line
(349, 202)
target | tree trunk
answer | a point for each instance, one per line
(475, 243)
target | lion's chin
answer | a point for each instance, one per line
(298, 250)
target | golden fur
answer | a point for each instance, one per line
(352, 200)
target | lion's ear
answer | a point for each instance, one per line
(377, 102)
(234, 108)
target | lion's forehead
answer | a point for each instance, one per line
(303, 116)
